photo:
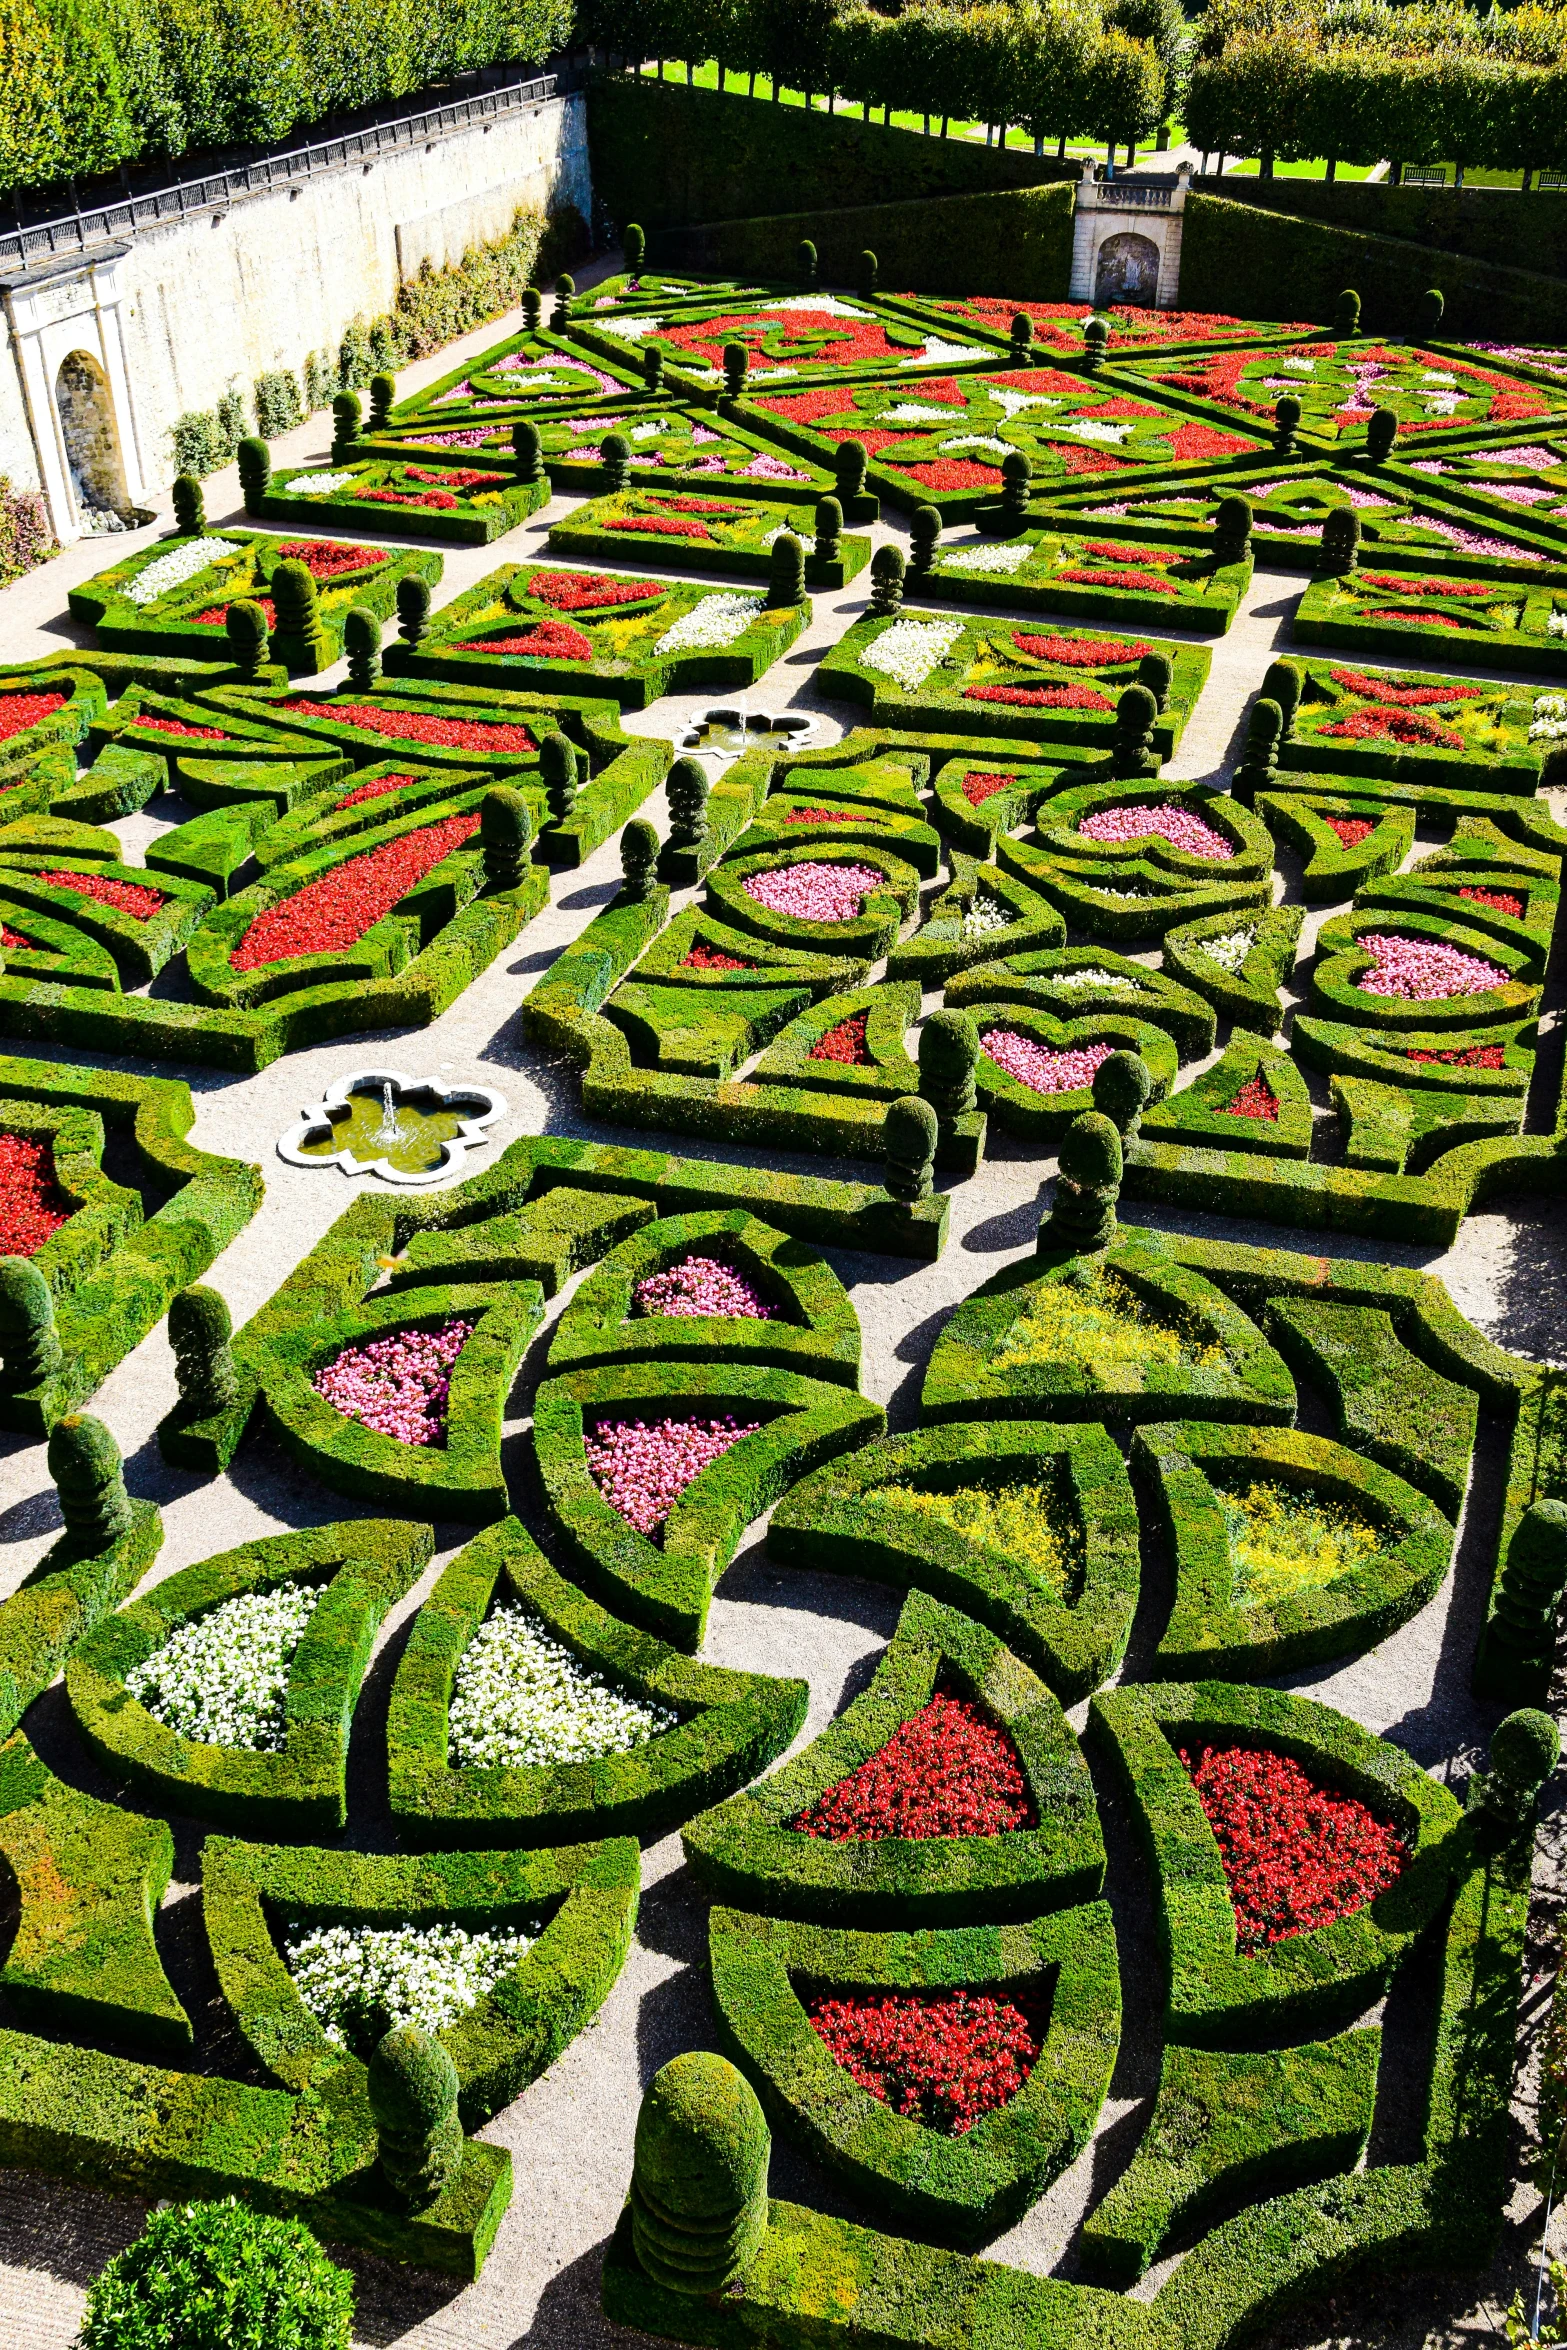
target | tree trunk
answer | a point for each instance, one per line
(1332, 171)
(944, 120)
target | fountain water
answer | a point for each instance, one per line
(391, 1131)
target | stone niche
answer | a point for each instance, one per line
(67, 345)
(1126, 239)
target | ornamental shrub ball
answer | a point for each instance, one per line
(190, 506)
(1082, 1214)
(924, 531)
(615, 456)
(1346, 318)
(362, 644)
(1340, 541)
(505, 836)
(633, 249)
(1533, 1578)
(199, 1332)
(786, 573)
(949, 1052)
(1096, 334)
(1016, 482)
(413, 608)
(532, 306)
(1022, 339)
(29, 1342)
(638, 860)
(301, 639)
(383, 391)
(1284, 682)
(737, 360)
(255, 471)
(560, 316)
(687, 791)
(850, 462)
(653, 370)
(1232, 530)
(1381, 433)
(216, 2276)
(412, 2086)
(886, 581)
(1286, 416)
(84, 1462)
(345, 425)
(699, 2204)
(246, 627)
(1428, 312)
(558, 774)
(865, 280)
(1525, 1749)
(1122, 1085)
(1156, 671)
(1131, 745)
(829, 530)
(527, 451)
(1259, 766)
(909, 1137)
(805, 261)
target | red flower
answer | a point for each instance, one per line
(1294, 1856)
(330, 558)
(845, 1043)
(1120, 579)
(872, 437)
(1080, 460)
(807, 407)
(549, 640)
(507, 740)
(216, 616)
(951, 473)
(1202, 440)
(1351, 830)
(126, 897)
(441, 500)
(950, 1770)
(1119, 554)
(12, 938)
(702, 958)
(1256, 1099)
(1394, 586)
(468, 479)
(156, 723)
(1404, 697)
(1409, 619)
(945, 2058)
(1516, 407)
(945, 390)
(1475, 1056)
(1385, 724)
(1501, 901)
(574, 591)
(32, 1205)
(334, 912)
(664, 526)
(375, 790)
(19, 711)
(822, 816)
(1078, 652)
(978, 788)
(1040, 697)
(1053, 381)
(702, 506)
(1126, 408)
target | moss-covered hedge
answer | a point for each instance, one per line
(1073, 981)
(1247, 995)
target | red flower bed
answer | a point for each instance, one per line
(702, 506)
(1202, 440)
(506, 740)
(334, 912)
(216, 616)
(1119, 554)
(330, 558)
(1295, 1857)
(126, 897)
(1077, 652)
(1410, 619)
(1400, 697)
(551, 640)
(840, 342)
(944, 2058)
(1351, 830)
(1120, 579)
(1123, 408)
(1256, 1099)
(1054, 381)
(1075, 459)
(576, 591)
(1475, 1056)
(467, 479)
(807, 407)
(978, 788)
(1395, 586)
(20, 711)
(375, 790)
(12, 938)
(664, 526)
(1516, 407)
(156, 723)
(1501, 901)
(1385, 723)
(441, 500)
(32, 1205)
(1041, 697)
(845, 1043)
(950, 1770)
(945, 390)
(953, 473)
(822, 816)
(702, 958)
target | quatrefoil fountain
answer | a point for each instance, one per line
(408, 1130)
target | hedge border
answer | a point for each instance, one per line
(1043, 979)
(1247, 997)
(1201, 1112)
(1207, 612)
(1389, 1404)
(587, 533)
(1043, 1117)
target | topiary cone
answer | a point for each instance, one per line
(633, 248)
(949, 1053)
(687, 791)
(829, 530)
(29, 1343)
(199, 1332)
(362, 644)
(412, 2086)
(1156, 671)
(1341, 541)
(84, 1462)
(413, 608)
(1122, 1085)
(532, 306)
(1346, 318)
(245, 625)
(299, 640)
(560, 316)
(886, 581)
(910, 1133)
(850, 464)
(786, 573)
(638, 860)
(699, 2205)
(505, 836)
(1082, 1214)
(1232, 530)
(1022, 338)
(737, 361)
(1131, 744)
(1533, 1578)
(255, 471)
(924, 531)
(615, 457)
(1264, 732)
(190, 506)
(1016, 481)
(653, 369)
(558, 774)
(383, 393)
(345, 425)
(1381, 433)
(1283, 683)
(1286, 416)
(527, 452)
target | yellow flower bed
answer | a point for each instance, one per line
(1281, 1542)
(1025, 1521)
(1093, 1317)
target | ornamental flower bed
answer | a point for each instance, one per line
(1350, 830)
(1393, 712)
(1256, 1099)
(1474, 1056)
(1093, 1317)
(1037, 1066)
(497, 739)
(678, 448)
(798, 335)
(705, 958)
(398, 1385)
(1185, 831)
(1058, 326)
(813, 892)
(1230, 950)
(1340, 385)
(949, 1771)
(123, 897)
(978, 788)
(587, 591)
(377, 789)
(360, 1982)
(1283, 1541)
(513, 378)
(20, 711)
(332, 913)
(224, 1678)
(1027, 1523)
(944, 2058)
(700, 1285)
(32, 1205)
(155, 722)
(1423, 970)
(845, 1043)
(521, 1700)
(1294, 1856)
(1501, 901)
(642, 1467)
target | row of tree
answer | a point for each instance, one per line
(1057, 67)
(90, 84)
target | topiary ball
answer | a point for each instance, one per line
(1525, 1749)
(1122, 1085)
(948, 1054)
(1091, 1151)
(505, 835)
(215, 2276)
(84, 1462)
(558, 774)
(638, 859)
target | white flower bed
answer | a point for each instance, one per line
(631, 330)
(519, 1697)
(1010, 556)
(828, 304)
(977, 440)
(1088, 428)
(939, 354)
(223, 1679)
(361, 1981)
(1556, 625)
(916, 412)
(1550, 719)
(175, 568)
(716, 621)
(1116, 981)
(909, 650)
(1013, 403)
(649, 429)
(1230, 951)
(317, 485)
(1299, 366)
(986, 914)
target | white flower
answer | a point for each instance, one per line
(1089, 428)
(1013, 403)
(519, 1697)
(908, 650)
(173, 569)
(986, 914)
(916, 412)
(1550, 719)
(1439, 375)
(939, 354)
(1011, 555)
(1230, 951)
(630, 330)
(649, 429)
(978, 440)
(224, 1678)
(362, 1981)
(527, 383)
(317, 485)
(1093, 976)
(828, 304)
(1299, 366)
(1556, 625)
(716, 621)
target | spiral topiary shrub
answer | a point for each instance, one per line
(1082, 1214)
(506, 836)
(245, 625)
(29, 1343)
(413, 2092)
(214, 2276)
(699, 2175)
(84, 1462)
(190, 506)
(362, 644)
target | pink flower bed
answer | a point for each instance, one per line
(642, 1467)
(397, 1385)
(701, 1285)
(1423, 970)
(1037, 1067)
(813, 892)
(1167, 821)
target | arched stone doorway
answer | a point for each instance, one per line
(1127, 271)
(85, 408)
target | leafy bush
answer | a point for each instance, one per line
(25, 537)
(278, 407)
(213, 2276)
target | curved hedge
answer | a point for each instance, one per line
(1023, 1109)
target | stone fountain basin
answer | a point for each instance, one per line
(438, 1123)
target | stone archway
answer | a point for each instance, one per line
(85, 407)
(1127, 270)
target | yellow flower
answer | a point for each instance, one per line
(1027, 1522)
(1281, 1541)
(1093, 1317)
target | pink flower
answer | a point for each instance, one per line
(642, 1468)
(399, 1384)
(1041, 1070)
(813, 892)
(700, 1285)
(1177, 825)
(1423, 970)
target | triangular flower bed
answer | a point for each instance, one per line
(1238, 962)
(1306, 1982)
(951, 1789)
(1253, 1099)
(1344, 842)
(1022, 2023)
(849, 1043)
(1289, 1550)
(722, 1726)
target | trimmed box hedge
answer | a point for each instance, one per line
(730, 536)
(461, 505)
(1092, 578)
(1040, 1116)
(678, 444)
(1225, 1105)
(1072, 982)
(1246, 993)
(1498, 624)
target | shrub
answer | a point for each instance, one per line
(255, 471)
(25, 537)
(214, 2276)
(1381, 433)
(887, 569)
(924, 531)
(190, 508)
(354, 363)
(278, 404)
